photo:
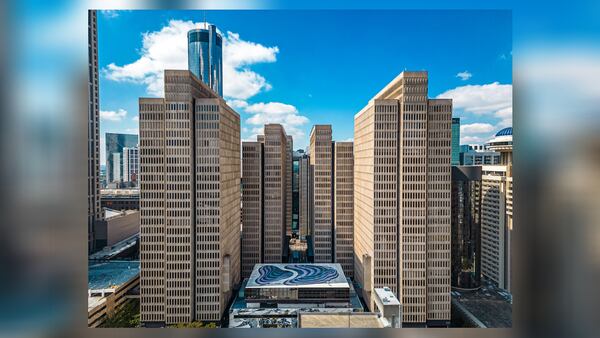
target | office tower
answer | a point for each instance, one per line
(252, 205)
(93, 146)
(321, 158)
(131, 164)
(189, 202)
(296, 191)
(402, 198)
(343, 216)
(117, 168)
(265, 197)
(114, 145)
(288, 186)
(305, 196)
(455, 157)
(496, 209)
(205, 56)
(466, 226)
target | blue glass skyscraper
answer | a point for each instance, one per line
(205, 56)
(455, 157)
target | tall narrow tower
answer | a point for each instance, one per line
(402, 198)
(321, 159)
(189, 202)
(205, 56)
(94, 210)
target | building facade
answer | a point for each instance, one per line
(497, 212)
(266, 197)
(114, 145)
(477, 154)
(93, 132)
(205, 56)
(131, 164)
(455, 158)
(402, 149)
(289, 179)
(466, 227)
(189, 202)
(321, 159)
(343, 216)
(252, 206)
(305, 177)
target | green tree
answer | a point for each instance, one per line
(127, 316)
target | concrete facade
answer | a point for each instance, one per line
(252, 183)
(305, 196)
(344, 206)
(402, 198)
(189, 202)
(93, 132)
(321, 159)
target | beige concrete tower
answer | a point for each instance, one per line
(288, 185)
(189, 202)
(321, 158)
(275, 192)
(343, 219)
(402, 198)
(252, 187)
(305, 196)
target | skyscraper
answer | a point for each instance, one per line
(305, 196)
(321, 159)
(114, 145)
(466, 226)
(93, 146)
(252, 205)
(131, 164)
(497, 214)
(402, 198)
(343, 219)
(189, 202)
(205, 56)
(289, 172)
(455, 141)
(266, 197)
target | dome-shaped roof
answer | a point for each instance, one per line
(505, 132)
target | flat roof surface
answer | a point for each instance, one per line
(111, 274)
(298, 276)
(340, 320)
(489, 304)
(387, 296)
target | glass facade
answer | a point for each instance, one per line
(205, 56)
(466, 226)
(455, 158)
(114, 145)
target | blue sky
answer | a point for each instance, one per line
(301, 68)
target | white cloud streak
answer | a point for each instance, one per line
(464, 75)
(111, 115)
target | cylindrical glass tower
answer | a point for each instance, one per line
(205, 56)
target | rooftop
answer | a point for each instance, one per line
(387, 296)
(490, 305)
(112, 274)
(297, 275)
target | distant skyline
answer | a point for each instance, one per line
(301, 68)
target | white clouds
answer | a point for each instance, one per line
(135, 118)
(167, 49)
(476, 128)
(481, 99)
(112, 115)
(492, 102)
(109, 13)
(464, 75)
(276, 112)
